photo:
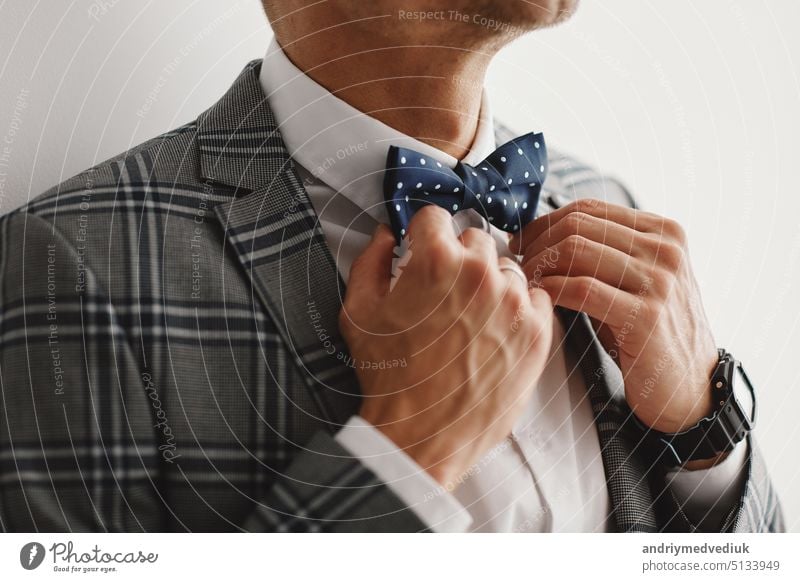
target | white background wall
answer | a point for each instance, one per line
(695, 105)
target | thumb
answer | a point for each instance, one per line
(372, 270)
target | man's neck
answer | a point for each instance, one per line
(431, 93)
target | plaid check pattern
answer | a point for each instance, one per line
(170, 358)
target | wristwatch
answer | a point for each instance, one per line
(733, 418)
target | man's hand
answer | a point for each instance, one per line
(474, 337)
(629, 271)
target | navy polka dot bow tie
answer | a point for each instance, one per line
(504, 188)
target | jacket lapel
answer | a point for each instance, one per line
(274, 233)
(632, 503)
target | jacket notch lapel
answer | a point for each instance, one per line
(274, 232)
(632, 502)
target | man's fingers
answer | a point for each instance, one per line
(480, 243)
(599, 300)
(540, 299)
(579, 256)
(637, 220)
(513, 273)
(611, 234)
(431, 226)
(371, 272)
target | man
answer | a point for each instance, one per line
(176, 356)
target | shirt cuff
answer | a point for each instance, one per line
(434, 506)
(707, 495)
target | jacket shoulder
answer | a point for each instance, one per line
(169, 157)
(570, 179)
(101, 210)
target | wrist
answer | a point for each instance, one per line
(701, 464)
(720, 418)
(431, 453)
(686, 404)
(678, 420)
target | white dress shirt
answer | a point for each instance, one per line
(548, 474)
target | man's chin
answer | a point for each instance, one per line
(520, 15)
(542, 13)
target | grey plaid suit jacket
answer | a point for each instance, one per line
(170, 358)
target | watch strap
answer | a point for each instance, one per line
(717, 433)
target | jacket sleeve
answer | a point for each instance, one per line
(757, 508)
(78, 451)
(326, 489)
(76, 434)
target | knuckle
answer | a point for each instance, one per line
(674, 230)
(658, 284)
(574, 245)
(671, 256)
(515, 299)
(587, 204)
(436, 240)
(476, 236)
(475, 270)
(542, 299)
(478, 233)
(659, 280)
(585, 288)
(574, 220)
(437, 245)
(541, 327)
(430, 211)
(645, 245)
(535, 269)
(439, 258)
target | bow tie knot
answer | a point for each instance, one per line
(504, 188)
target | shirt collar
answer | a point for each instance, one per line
(338, 144)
